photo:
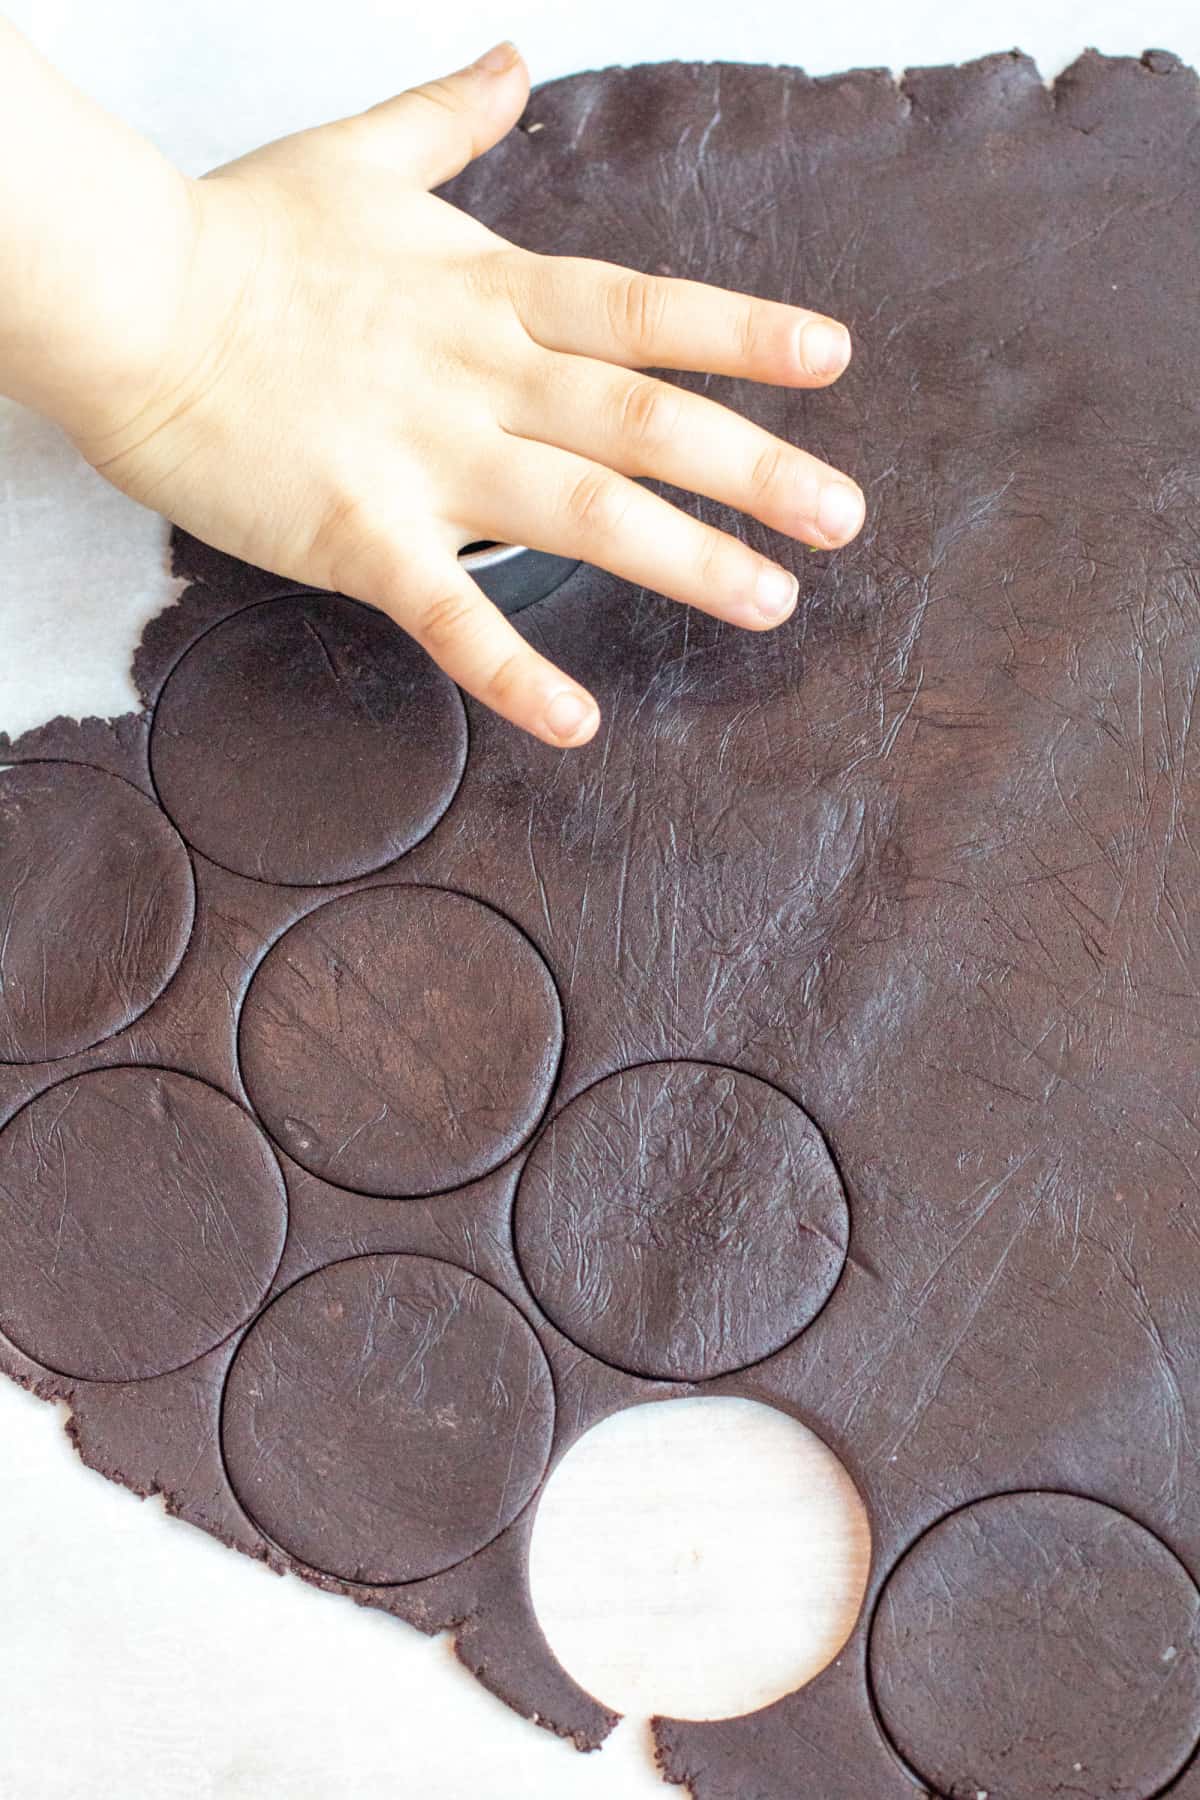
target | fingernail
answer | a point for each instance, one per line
(840, 511)
(567, 714)
(775, 592)
(498, 58)
(824, 347)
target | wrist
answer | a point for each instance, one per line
(96, 317)
(95, 228)
(192, 307)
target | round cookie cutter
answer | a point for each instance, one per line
(513, 576)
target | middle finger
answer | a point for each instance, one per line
(640, 425)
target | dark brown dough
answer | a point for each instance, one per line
(142, 1217)
(923, 861)
(307, 739)
(401, 1041)
(1040, 1644)
(85, 850)
(387, 1417)
(681, 1220)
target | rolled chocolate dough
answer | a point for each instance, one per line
(681, 1220)
(401, 1040)
(1030, 1645)
(306, 749)
(142, 1218)
(96, 905)
(913, 881)
(371, 1393)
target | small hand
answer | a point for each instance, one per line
(358, 379)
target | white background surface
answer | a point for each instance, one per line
(137, 1657)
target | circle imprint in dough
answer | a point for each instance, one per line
(96, 907)
(142, 1218)
(401, 1040)
(386, 1417)
(1039, 1643)
(307, 740)
(681, 1220)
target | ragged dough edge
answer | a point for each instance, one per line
(462, 1626)
(1151, 62)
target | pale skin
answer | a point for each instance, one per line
(307, 359)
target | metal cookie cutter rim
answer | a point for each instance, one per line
(514, 576)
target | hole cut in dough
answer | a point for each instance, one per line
(698, 1558)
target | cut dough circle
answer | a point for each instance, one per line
(386, 1417)
(1040, 1643)
(96, 907)
(142, 1218)
(681, 1220)
(307, 740)
(401, 1041)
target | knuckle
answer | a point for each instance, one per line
(649, 414)
(340, 541)
(769, 471)
(440, 94)
(637, 305)
(713, 559)
(443, 624)
(505, 680)
(494, 275)
(596, 503)
(746, 330)
(447, 106)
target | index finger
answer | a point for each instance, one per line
(428, 592)
(595, 308)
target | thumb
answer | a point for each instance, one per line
(431, 132)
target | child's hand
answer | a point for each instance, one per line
(345, 380)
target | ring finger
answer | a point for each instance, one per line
(555, 500)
